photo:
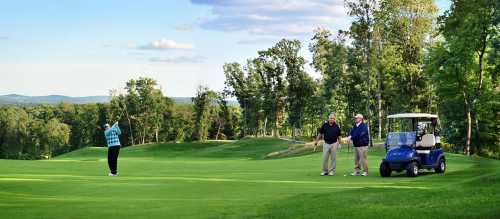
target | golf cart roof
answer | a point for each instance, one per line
(412, 115)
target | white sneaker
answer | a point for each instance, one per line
(354, 174)
(331, 173)
(364, 174)
(110, 174)
(324, 173)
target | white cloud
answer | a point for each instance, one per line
(274, 17)
(165, 44)
(178, 59)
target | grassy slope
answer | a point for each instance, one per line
(218, 180)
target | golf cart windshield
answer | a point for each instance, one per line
(401, 125)
(395, 139)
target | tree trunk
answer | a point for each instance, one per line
(265, 126)
(468, 113)
(276, 132)
(311, 131)
(245, 120)
(479, 90)
(469, 127)
(218, 131)
(143, 135)
(478, 139)
(379, 103)
(156, 134)
(369, 95)
(369, 66)
(129, 125)
(379, 91)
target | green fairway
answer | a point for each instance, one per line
(233, 180)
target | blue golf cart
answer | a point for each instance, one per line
(412, 144)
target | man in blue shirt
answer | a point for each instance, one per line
(112, 139)
(360, 139)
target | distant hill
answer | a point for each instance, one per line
(15, 99)
(51, 99)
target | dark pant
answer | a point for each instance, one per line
(113, 158)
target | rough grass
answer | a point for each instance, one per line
(234, 180)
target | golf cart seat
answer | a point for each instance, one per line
(428, 140)
(424, 146)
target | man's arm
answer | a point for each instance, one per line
(349, 137)
(320, 134)
(317, 140)
(117, 129)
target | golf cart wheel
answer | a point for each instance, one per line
(412, 169)
(441, 167)
(385, 169)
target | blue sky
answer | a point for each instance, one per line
(87, 47)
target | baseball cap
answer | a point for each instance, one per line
(358, 116)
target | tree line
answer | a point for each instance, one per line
(396, 56)
(145, 116)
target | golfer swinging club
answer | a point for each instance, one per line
(113, 142)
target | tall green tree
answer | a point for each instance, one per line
(142, 108)
(224, 121)
(298, 81)
(406, 27)
(204, 112)
(330, 58)
(361, 31)
(54, 137)
(273, 89)
(245, 85)
(469, 27)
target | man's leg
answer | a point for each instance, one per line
(110, 158)
(326, 153)
(333, 157)
(113, 158)
(364, 158)
(356, 160)
(116, 158)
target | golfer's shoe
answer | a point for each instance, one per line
(364, 174)
(324, 174)
(355, 174)
(110, 174)
(331, 173)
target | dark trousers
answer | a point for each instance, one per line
(113, 158)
